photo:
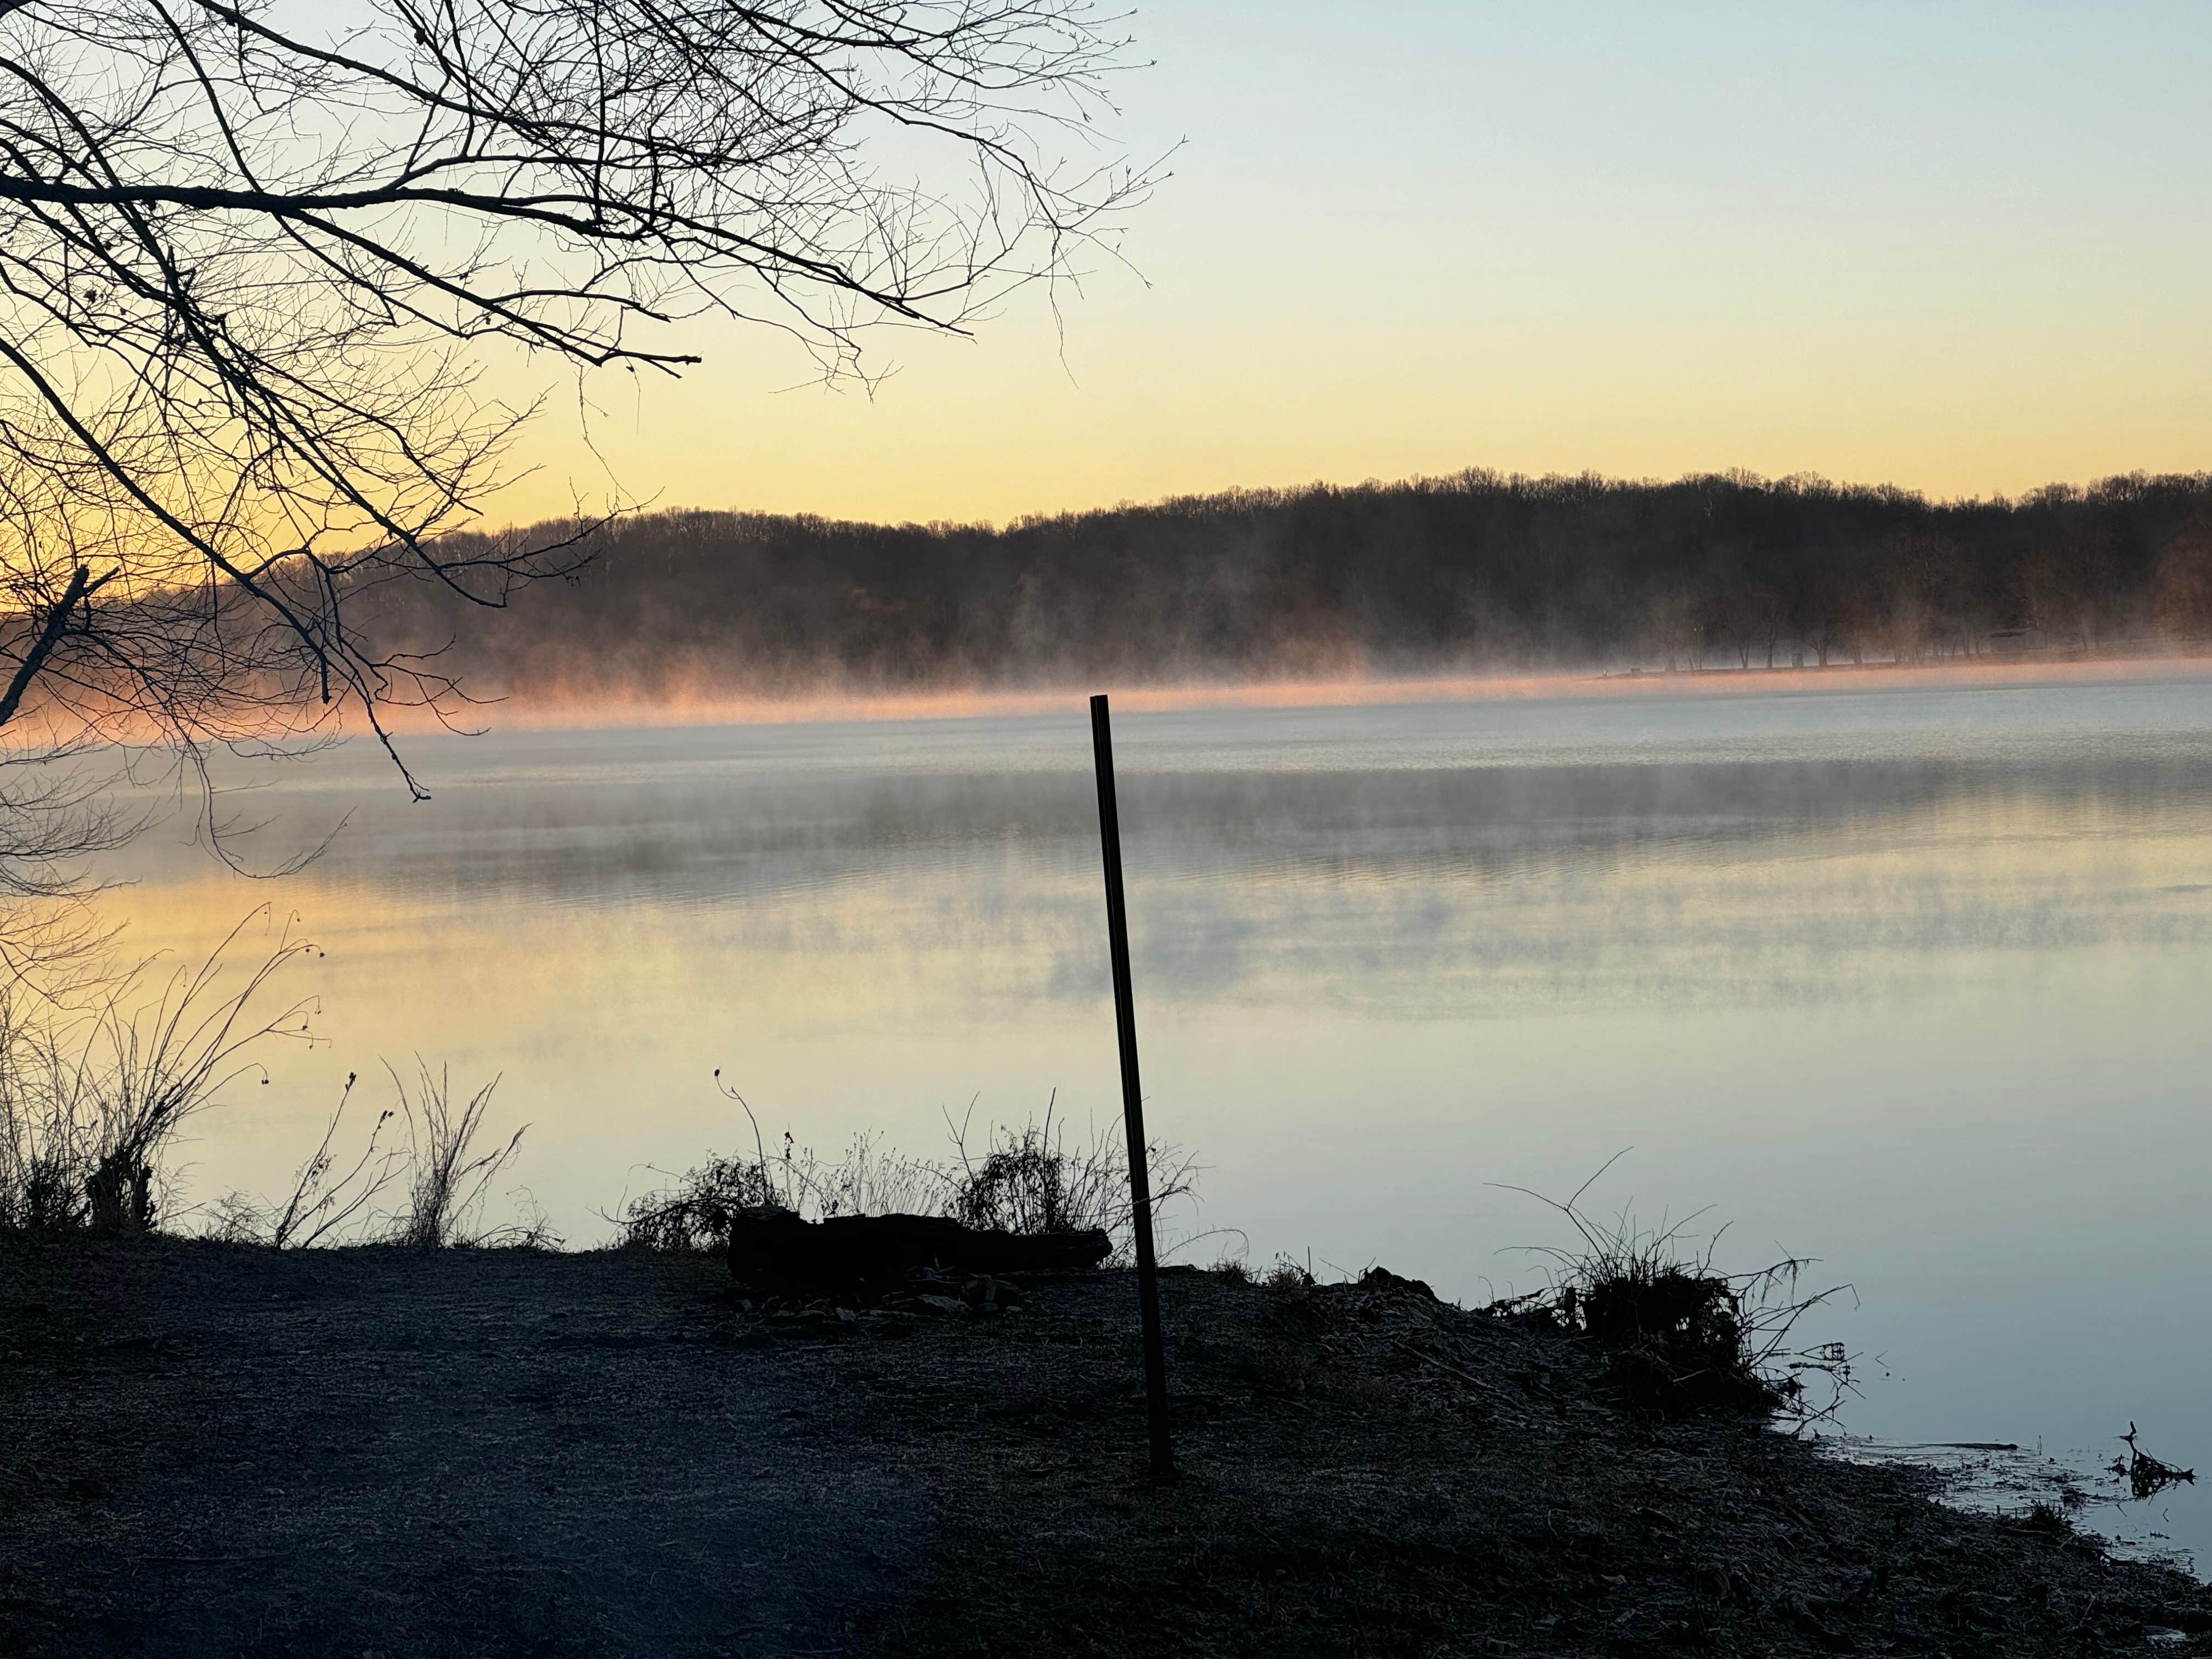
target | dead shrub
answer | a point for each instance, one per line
(1031, 1180)
(695, 1213)
(1679, 1336)
(1034, 1179)
(237, 1217)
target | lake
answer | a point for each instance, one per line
(1907, 977)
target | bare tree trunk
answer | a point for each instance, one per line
(80, 584)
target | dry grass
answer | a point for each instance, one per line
(695, 1212)
(447, 1178)
(323, 1200)
(95, 1085)
(92, 1091)
(1681, 1336)
(1031, 1179)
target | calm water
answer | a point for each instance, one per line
(1910, 980)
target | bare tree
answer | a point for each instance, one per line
(1830, 615)
(250, 267)
(1672, 625)
(2064, 584)
(2181, 602)
(1733, 618)
(1769, 618)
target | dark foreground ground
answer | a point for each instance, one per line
(210, 1450)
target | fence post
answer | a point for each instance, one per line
(1133, 1102)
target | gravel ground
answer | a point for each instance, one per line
(207, 1450)
(210, 1450)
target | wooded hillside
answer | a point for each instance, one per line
(1476, 572)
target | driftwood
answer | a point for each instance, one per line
(774, 1249)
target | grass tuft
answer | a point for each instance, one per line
(1681, 1337)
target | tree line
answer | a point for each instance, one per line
(1476, 572)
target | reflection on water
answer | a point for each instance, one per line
(2083, 1482)
(1908, 979)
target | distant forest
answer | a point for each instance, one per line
(1476, 573)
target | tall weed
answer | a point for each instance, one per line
(93, 1092)
(447, 1177)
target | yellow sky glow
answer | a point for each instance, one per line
(1961, 251)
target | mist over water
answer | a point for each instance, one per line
(1907, 978)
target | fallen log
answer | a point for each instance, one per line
(776, 1250)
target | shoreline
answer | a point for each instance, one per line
(682, 707)
(677, 708)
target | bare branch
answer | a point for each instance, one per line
(246, 271)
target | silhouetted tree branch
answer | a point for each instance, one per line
(248, 267)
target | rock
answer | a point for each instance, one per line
(1381, 1279)
(986, 1296)
(776, 1248)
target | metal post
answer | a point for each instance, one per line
(1133, 1102)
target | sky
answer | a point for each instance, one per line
(1962, 247)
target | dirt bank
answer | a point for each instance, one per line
(213, 1450)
